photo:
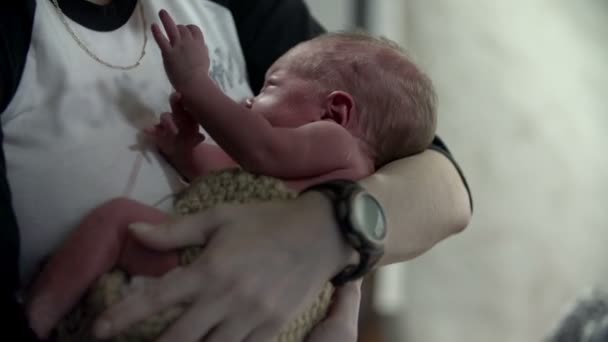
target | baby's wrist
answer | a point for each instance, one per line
(194, 82)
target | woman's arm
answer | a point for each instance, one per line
(425, 200)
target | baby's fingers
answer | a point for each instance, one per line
(170, 27)
(196, 32)
(168, 124)
(160, 38)
(184, 33)
(151, 131)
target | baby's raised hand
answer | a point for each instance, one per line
(184, 50)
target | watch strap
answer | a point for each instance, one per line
(339, 193)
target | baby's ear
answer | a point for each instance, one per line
(339, 106)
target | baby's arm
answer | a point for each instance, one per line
(100, 243)
(308, 151)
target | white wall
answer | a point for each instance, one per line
(333, 14)
(385, 17)
(523, 90)
(523, 86)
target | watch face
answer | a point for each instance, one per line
(368, 217)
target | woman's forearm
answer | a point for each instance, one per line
(425, 201)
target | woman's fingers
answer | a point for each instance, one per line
(256, 255)
(341, 323)
(182, 232)
(264, 333)
(232, 330)
(347, 300)
(195, 323)
(177, 286)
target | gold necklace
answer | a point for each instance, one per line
(94, 56)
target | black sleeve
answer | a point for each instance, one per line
(11, 313)
(268, 28)
(16, 20)
(439, 146)
(14, 323)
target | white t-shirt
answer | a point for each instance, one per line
(71, 130)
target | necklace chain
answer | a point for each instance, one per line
(63, 18)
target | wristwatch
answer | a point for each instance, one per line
(362, 222)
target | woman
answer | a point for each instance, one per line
(79, 81)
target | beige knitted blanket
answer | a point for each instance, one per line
(227, 186)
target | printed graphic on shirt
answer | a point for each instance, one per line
(225, 75)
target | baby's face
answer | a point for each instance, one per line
(286, 99)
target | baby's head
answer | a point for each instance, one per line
(366, 84)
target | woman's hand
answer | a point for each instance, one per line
(262, 264)
(342, 321)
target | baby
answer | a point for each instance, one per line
(335, 107)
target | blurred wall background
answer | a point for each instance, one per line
(523, 90)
